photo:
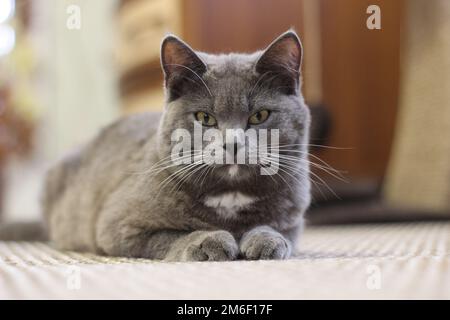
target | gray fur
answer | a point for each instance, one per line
(99, 199)
(264, 243)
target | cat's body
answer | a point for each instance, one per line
(114, 197)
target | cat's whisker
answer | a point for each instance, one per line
(199, 171)
(288, 68)
(325, 184)
(339, 172)
(331, 171)
(279, 167)
(302, 179)
(207, 171)
(186, 176)
(294, 157)
(202, 173)
(172, 176)
(160, 168)
(155, 165)
(296, 169)
(257, 82)
(168, 160)
(311, 145)
(171, 165)
(273, 179)
(182, 170)
(327, 165)
(287, 183)
(268, 80)
(310, 178)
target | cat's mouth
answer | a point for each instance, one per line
(233, 170)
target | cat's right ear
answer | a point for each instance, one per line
(181, 65)
(283, 58)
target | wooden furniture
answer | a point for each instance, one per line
(141, 25)
(419, 173)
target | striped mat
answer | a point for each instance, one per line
(405, 260)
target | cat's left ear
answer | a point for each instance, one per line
(282, 59)
(181, 65)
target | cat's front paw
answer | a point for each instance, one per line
(264, 243)
(212, 246)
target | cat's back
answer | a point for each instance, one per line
(133, 129)
(76, 186)
(112, 147)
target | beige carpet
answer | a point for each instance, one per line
(408, 260)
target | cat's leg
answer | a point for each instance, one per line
(264, 242)
(170, 245)
(204, 246)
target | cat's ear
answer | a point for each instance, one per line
(181, 66)
(281, 61)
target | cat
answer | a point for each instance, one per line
(121, 195)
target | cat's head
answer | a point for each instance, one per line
(247, 92)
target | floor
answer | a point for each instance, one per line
(372, 261)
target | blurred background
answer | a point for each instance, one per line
(379, 90)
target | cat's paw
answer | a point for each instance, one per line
(266, 244)
(212, 246)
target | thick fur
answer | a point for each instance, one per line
(101, 200)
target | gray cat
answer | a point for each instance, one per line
(121, 195)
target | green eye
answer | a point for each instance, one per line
(259, 117)
(205, 119)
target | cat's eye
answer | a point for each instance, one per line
(259, 117)
(205, 119)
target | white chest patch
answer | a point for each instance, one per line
(228, 204)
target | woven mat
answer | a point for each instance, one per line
(407, 260)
